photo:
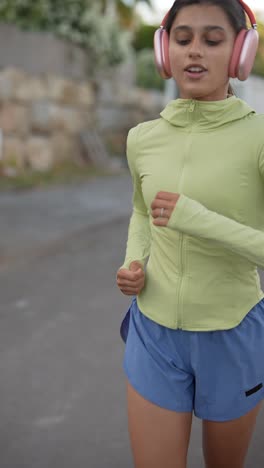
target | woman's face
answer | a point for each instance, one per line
(201, 36)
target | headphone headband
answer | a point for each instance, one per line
(246, 8)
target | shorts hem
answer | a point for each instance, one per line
(235, 415)
(183, 409)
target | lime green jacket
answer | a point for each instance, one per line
(201, 269)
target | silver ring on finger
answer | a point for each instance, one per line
(161, 212)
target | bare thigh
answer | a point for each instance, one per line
(158, 437)
(225, 444)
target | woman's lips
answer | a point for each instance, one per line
(195, 75)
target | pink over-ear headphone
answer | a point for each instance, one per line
(243, 56)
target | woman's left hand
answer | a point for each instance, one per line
(166, 200)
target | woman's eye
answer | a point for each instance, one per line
(187, 41)
(183, 42)
(212, 43)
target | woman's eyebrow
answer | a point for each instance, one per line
(188, 28)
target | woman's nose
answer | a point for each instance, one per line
(195, 48)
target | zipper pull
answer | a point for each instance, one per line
(192, 106)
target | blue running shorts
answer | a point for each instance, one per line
(217, 374)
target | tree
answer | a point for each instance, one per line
(123, 10)
(112, 4)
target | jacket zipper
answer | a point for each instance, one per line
(179, 306)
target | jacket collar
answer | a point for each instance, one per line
(205, 115)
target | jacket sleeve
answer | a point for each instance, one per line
(191, 217)
(139, 236)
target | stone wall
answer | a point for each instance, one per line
(121, 105)
(44, 118)
(49, 102)
(41, 118)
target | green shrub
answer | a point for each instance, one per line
(146, 72)
(259, 62)
(144, 37)
(67, 172)
(259, 67)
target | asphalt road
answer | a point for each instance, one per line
(62, 385)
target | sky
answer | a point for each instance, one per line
(161, 7)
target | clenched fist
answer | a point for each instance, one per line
(131, 281)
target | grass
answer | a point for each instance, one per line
(63, 174)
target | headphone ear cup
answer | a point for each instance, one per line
(161, 53)
(244, 53)
(238, 45)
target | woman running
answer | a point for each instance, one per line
(194, 331)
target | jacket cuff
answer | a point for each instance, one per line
(183, 214)
(130, 260)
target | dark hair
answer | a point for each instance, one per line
(233, 9)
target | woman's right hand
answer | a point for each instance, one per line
(131, 281)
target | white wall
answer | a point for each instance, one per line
(41, 52)
(251, 91)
